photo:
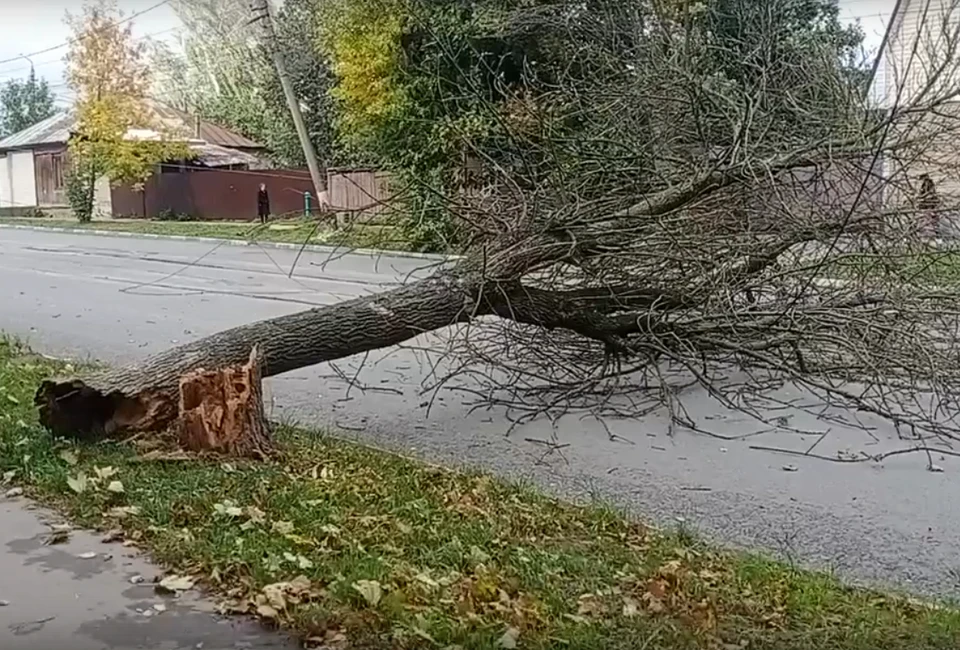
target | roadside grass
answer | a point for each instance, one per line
(357, 548)
(289, 231)
(917, 268)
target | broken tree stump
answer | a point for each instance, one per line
(221, 410)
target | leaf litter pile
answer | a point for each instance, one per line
(355, 548)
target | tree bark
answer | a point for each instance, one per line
(145, 396)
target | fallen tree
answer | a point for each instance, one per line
(696, 235)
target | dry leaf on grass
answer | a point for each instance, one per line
(78, 483)
(510, 638)
(69, 457)
(371, 590)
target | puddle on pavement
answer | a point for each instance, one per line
(53, 559)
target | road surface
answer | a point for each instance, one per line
(118, 299)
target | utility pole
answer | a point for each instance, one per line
(261, 14)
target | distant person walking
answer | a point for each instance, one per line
(263, 203)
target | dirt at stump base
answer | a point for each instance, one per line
(222, 411)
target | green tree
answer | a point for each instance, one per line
(116, 134)
(417, 80)
(225, 76)
(24, 103)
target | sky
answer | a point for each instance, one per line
(27, 28)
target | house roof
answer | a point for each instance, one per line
(212, 155)
(209, 132)
(56, 130)
(53, 130)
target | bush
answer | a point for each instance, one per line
(169, 215)
(80, 193)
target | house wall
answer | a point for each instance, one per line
(18, 181)
(6, 191)
(921, 49)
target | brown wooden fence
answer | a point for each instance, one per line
(225, 194)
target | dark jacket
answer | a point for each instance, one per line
(263, 202)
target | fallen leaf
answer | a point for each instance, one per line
(89, 555)
(228, 509)
(69, 457)
(174, 583)
(13, 492)
(4, 603)
(122, 511)
(283, 527)
(115, 486)
(114, 535)
(630, 607)
(8, 476)
(509, 638)
(57, 537)
(160, 607)
(266, 611)
(790, 468)
(78, 483)
(103, 473)
(371, 591)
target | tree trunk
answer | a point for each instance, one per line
(145, 396)
(222, 411)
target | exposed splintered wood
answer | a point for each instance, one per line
(221, 410)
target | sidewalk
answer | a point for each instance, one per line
(56, 596)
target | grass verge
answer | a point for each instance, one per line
(357, 548)
(292, 231)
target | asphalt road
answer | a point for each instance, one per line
(118, 299)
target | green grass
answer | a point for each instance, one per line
(292, 231)
(365, 549)
(913, 267)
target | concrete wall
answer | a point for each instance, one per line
(6, 192)
(17, 180)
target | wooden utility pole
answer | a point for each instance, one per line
(261, 15)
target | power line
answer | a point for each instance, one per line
(60, 59)
(70, 41)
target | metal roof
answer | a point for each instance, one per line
(56, 130)
(53, 130)
(213, 155)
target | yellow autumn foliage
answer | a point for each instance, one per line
(362, 39)
(107, 71)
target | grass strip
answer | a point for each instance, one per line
(357, 548)
(292, 231)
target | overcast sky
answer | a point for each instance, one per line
(29, 27)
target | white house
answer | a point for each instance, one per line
(33, 162)
(918, 64)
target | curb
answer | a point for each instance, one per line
(313, 248)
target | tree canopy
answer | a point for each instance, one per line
(24, 103)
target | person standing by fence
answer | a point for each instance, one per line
(263, 203)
